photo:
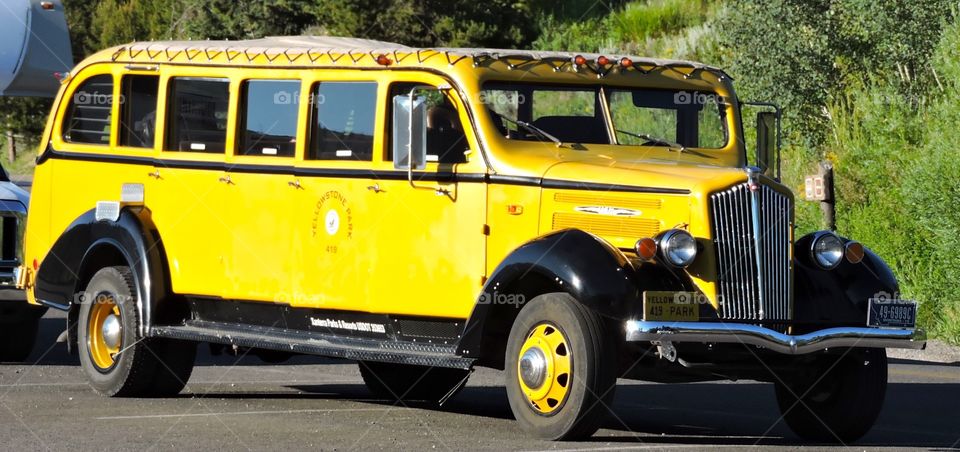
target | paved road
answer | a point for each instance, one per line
(316, 404)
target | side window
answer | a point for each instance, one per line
(90, 112)
(446, 141)
(138, 110)
(197, 115)
(269, 118)
(343, 120)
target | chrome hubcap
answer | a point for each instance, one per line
(533, 368)
(111, 331)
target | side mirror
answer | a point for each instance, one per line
(409, 132)
(767, 152)
(768, 146)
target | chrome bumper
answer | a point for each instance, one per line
(677, 332)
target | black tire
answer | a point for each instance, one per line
(841, 406)
(592, 379)
(149, 367)
(405, 382)
(18, 331)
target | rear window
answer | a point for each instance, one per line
(88, 117)
(342, 122)
(269, 118)
(197, 115)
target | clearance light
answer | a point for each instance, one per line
(579, 60)
(46, 5)
(36, 265)
(602, 60)
(646, 248)
(383, 60)
(854, 252)
(626, 63)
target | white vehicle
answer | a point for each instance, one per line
(34, 46)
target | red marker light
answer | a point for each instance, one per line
(46, 5)
(626, 62)
(60, 75)
(383, 60)
(646, 248)
(603, 61)
(36, 265)
(579, 60)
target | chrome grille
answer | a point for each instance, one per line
(754, 270)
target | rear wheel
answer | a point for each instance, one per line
(560, 368)
(840, 405)
(116, 359)
(407, 382)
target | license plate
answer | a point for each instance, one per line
(670, 306)
(892, 313)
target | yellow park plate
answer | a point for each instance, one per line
(670, 306)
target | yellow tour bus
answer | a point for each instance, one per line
(568, 218)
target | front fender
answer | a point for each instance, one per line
(593, 271)
(88, 245)
(840, 295)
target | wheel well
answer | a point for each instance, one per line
(101, 256)
(501, 315)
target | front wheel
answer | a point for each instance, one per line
(840, 401)
(117, 361)
(560, 368)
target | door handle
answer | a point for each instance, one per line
(155, 174)
(375, 188)
(226, 179)
(295, 184)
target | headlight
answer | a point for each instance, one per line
(678, 247)
(827, 250)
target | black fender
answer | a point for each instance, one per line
(88, 245)
(590, 269)
(840, 295)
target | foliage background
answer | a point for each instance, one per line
(871, 85)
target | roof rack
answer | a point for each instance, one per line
(318, 50)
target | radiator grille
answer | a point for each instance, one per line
(753, 253)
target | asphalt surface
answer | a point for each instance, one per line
(312, 403)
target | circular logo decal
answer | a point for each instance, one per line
(332, 222)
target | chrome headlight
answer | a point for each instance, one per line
(678, 247)
(827, 250)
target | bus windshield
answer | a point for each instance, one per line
(577, 114)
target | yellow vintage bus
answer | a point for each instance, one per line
(568, 218)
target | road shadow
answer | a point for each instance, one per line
(745, 414)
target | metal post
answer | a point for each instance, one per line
(11, 146)
(828, 204)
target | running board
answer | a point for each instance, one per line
(310, 343)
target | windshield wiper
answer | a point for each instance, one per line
(532, 129)
(663, 142)
(657, 140)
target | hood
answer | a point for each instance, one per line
(677, 175)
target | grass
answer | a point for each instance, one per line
(23, 166)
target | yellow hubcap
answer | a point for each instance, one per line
(103, 331)
(543, 368)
